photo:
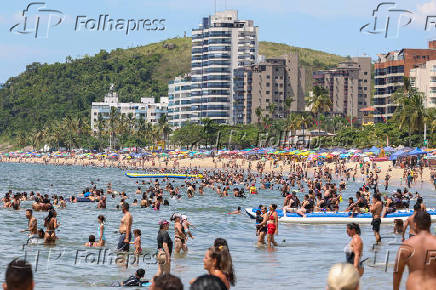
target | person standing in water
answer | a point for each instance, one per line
(411, 223)
(51, 224)
(376, 209)
(419, 256)
(165, 248)
(272, 226)
(100, 231)
(125, 229)
(32, 224)
(354, 249)
(180, 237)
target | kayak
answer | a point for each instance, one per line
(339, 217)
(163, 175)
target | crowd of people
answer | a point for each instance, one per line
(315, 185)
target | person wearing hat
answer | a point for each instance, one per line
(180, 237)
(165, 248)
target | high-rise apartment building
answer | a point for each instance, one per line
(221, 44)
(390, 70)
(423, 78)
(179, 95)
(348, 85)
(271, 87)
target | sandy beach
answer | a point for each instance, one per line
(208, 163)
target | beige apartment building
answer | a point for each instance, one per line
(266, 86)
(423, 78)
(348, 85)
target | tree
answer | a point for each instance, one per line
(410, 113)
(164, 127)
(320, 102)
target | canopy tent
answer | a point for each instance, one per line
(397, 154)
(417, 151)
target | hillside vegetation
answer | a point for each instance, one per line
(46, 93)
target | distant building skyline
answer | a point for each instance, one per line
(390, 70)
(348, 85)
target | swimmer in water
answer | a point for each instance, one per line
(238, 211)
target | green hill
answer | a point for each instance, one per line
(48, 92)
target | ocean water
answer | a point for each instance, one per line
(302, 260)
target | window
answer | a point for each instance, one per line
(365, 73)
(267, 92)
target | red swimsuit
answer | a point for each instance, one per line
(271, 226)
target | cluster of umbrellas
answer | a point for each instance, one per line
(336, 153)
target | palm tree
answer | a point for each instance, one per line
(320, 102)
(208, 129)
(113, 123)
(304, 122)
(258, 113)
(410, 112)
(291, 123)
(164, 127)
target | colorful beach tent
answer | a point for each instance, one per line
(417, 151)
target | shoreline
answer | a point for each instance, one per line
(210, 163)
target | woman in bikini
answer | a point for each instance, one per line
(272, 225)
(51, 224)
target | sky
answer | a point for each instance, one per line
(328, 25)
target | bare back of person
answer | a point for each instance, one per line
(422, 262)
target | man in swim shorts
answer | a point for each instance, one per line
(376, 210)
(125, 229)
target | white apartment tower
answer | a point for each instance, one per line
(220, 44)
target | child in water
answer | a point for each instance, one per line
(137, 242)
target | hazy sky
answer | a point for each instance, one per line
(328, 25)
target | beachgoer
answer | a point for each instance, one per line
(354, 249)
(135, 281)
(32, 224)
(343, 276)
(208, 282)
(376, 210)
(91, 242)
(51, 224)
(125, 229)
(100, 231)
(272, 225)
(418, 253)
(166, 282)
(411, 223)
(19, 276)
(217, 263)
(180, 237)
(165, 248)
